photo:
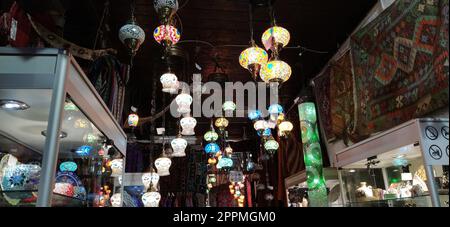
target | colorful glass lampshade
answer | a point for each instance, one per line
(271, 146)
(83, 150)
(212, 148)
(228, 150)
(212, 178)
(116, 200)
(133, 120)
(117, 167)
(151, 199)
(229, 106)
(169, 83)
(162, 165)
(212, 161)
(254, 115)
(270, 124)
(68, 167)
(179, 147)
(266, 133)
(150, 178)
(225, 163)
(184, 102)
(221, 123)
(211, 136)
(276, 38)
(260, 126)
(188, 124)
(276, 71)
(165, 9)
(275, 109)
(252, 59)
(285, 128)
(132, 36)
(167, 34)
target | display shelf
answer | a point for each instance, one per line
(417, 201)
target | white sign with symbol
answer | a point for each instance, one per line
(434, 141)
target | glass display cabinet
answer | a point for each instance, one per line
(406, 166)
(59, 143)
(297, 189)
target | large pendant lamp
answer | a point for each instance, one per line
(253, 58)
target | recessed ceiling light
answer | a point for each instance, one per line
(62, 134)
(9, 104)
(352, 171)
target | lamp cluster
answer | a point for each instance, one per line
(269, 68)
(264, 128)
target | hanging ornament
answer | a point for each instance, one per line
(163, 164)
(254, 115)
(165, 9)
(228, 150)
(116, 200)
(211, 136)
(271, 145)
(221, 123)
(285, 128)
(179, 147)
(275, 38)
(167, 34)
(212, 161)
(151, 178)
(184, 102)
(133, 120)
(132, 36)
(252, 59)
(276, 71)
(260, 126)
(151, 199)
(212, 148)
(188, 124)
(229, 107)
(169, 83)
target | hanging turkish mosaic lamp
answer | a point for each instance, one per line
(275, 38)
(221, 123)
(150, 179)
(276, 71)
(169, 82)
(252, 59)
(271, 146)
(131, 35)
(254, 115)
(179, 147)
(285, 128)
(165, 9)
(212, 148)
(188, 124)
(225, 163)
(167, 35)
(184, 102)
(211, 136)
(162, 165)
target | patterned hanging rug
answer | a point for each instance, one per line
(400, 63)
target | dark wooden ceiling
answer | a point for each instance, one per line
(320, 24)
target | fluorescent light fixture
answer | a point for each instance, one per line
(9, 104)
(352, 171)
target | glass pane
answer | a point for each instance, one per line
(23, 121)
(395, 178)
(88, 166)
